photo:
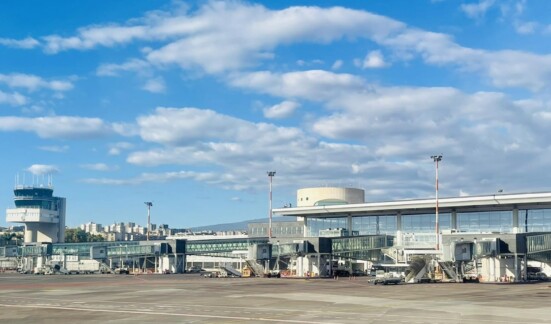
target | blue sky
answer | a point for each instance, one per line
(188, 104)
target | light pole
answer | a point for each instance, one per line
(271, 174)
(148, 204)
(436, 159)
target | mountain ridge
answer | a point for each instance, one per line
(237, 226)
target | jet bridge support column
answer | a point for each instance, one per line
(525, 269)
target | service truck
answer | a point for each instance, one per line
(84, 266)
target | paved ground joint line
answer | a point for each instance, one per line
(163, 313)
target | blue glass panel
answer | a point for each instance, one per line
(491, 221)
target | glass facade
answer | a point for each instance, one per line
(35, 198)
(425, 223)
(375, 225)
(44, 204)
(83, 249)
(490, 221)
(279, 229)
(314, 225)
(529, 220)
(222, 247)
(534, 220)
(361, 247)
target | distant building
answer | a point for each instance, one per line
(92, 228)
(126, 231)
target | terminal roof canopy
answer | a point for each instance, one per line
(423, 206)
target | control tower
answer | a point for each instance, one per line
(41, 212)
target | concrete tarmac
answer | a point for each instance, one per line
(190, 298)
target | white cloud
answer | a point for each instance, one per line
(506, 68)
(125, 129)
(117, 148)
(32, 82)
(356, 168)
(337, 65)
(477, 10)
(26, 43)
(303, 63)
(214, 39)
(158, 177)
(13, 99)
(34, 110)
(64, 127)
(379, 136)
(209, 39)
(396, 130)
(90, 37)
(525, 28)
(240, 148)
(132, 65)
(155, 85)
(55, 149)
(313, 85)
(374, 60)
(183, 126)
(99, 167)
(42, 169)
(281, 110)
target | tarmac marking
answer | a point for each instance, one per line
(401, 318)
(166, 314)
(334, 314)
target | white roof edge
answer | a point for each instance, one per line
(473, 201)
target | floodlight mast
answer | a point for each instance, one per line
(148, 204)
(271, 174)
(436, 159)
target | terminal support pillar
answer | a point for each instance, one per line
(399, 238)
(516, 228)
(349, 221)
(453, 221)
(305, 226)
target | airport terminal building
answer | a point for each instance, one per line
(496, 235)
(333, 231)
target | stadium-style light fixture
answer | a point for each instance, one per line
(271, 174)
(148, 204)
(436, 159)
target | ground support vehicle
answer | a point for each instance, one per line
(386, 278)
(84, 266)
(121, 271)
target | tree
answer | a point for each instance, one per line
(75, 235)
(95, 238)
